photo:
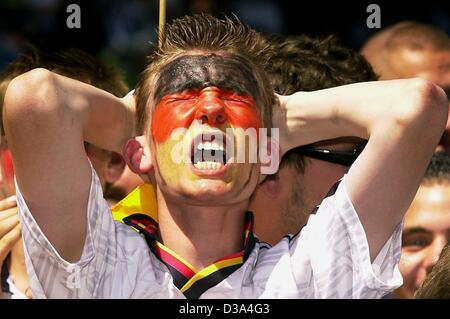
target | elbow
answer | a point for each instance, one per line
(426, 107)
(27, 96)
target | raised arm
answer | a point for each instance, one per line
(47, 118)
(403, 121)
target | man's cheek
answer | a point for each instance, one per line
(244, 118)
(245, 127)
(167, 118)
(171, 158)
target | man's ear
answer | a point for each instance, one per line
(137, 155)
(271, 185)
(115, 167)
(269, 156)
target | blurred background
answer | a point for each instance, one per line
(119, 31)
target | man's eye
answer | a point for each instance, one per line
(415, 243)
(233, 98)
(226, 98)
(181, 98)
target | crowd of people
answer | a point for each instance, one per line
(94, 205)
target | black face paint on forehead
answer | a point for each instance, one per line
(200, 71)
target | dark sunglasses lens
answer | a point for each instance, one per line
(336, 157)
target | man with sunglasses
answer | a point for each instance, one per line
(283, 202)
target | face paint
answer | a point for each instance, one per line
(199, 71)
(219, 92)
(193, 84)
(7, 165)
(179, 111)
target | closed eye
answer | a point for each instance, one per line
(231, 99)
(184, 96)
(235, 98)
(181, 98)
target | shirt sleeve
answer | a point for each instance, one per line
(102, 258)
(334, 246)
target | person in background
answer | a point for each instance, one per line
(126, 183)
(426, 227)
(411, 49)
(283, 201)
(109, 166)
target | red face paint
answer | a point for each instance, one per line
(212, 105)
(7, 165)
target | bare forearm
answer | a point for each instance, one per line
(101, 118)
(108, 123)
(353, 110)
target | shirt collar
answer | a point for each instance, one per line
(139, 210)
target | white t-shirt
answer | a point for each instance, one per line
(329, 258)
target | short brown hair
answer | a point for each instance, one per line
(303, 63)
(72, 63)
(202, 32)
(437, 283)
(438, 170)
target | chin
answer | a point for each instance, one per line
(211, 190)
(210, 193)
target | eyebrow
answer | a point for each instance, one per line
(415, 230)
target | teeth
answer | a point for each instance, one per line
(217, 146)
(208, 165)
(207, 146)
(210, 146)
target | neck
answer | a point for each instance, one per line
(201, 234)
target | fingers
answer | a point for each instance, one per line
(8, 241)
(7, 224)
(8, 213)
(130, 100)
(283, 99)
(8, 202)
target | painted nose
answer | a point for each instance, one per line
(211, 110)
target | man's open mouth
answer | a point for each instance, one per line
(209, 152)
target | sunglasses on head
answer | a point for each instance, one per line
(345, 158)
